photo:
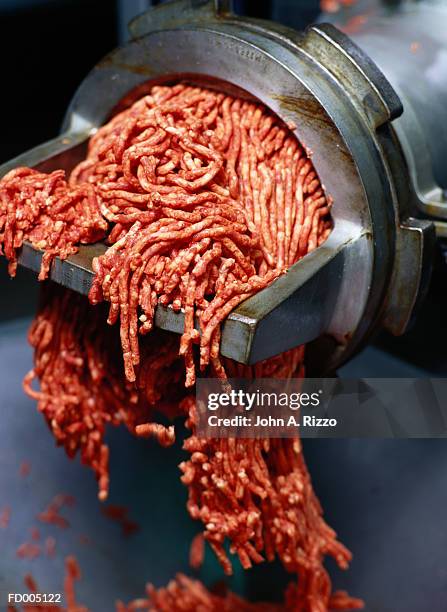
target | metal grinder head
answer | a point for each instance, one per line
(374, 266)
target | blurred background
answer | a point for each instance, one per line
(386, 499)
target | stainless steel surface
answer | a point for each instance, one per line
(375, 263)
(75, 272)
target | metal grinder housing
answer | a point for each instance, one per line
(374, 267)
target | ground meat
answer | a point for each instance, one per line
(51, 514)
(197, 551)
(44, 210)
(120, 515)
(5, 516)
(50, 546)
(72, 575)
(183, 594)
(208, 199)
(82, 387)
(28, 550)
(25, 469)
(187, 595)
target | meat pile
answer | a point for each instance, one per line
(204, 199)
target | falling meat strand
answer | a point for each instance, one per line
(197, 551)
(50, 547)
(5, 517)
(25, 469)
(52, 515)
(82, 388)
(120, 515)
(28, 550)
(35, 534)
(72, 575)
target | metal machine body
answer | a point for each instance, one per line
(374, 267)
(409, 44)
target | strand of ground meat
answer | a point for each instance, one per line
(256, 494)
(82, 387)
(208, 199)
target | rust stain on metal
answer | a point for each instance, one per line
(306, 106)
(311, 111)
